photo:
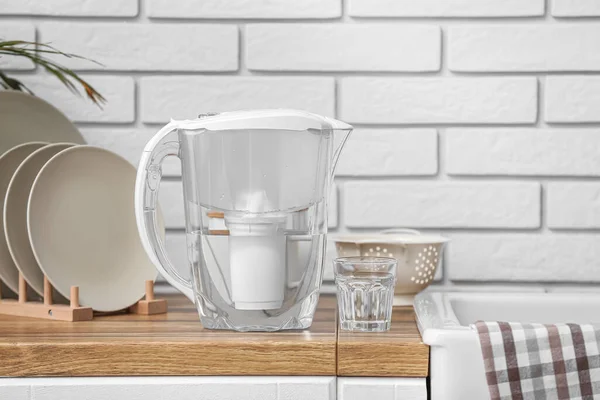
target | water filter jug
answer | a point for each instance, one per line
(256, 186)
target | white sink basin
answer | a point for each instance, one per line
(456, 364)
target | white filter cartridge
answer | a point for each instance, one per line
(257, 261)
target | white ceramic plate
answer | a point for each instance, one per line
(15, 214)
(83, 230)
(25, 118)
(9, 162)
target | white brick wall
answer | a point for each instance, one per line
(573, 205)
(514, 48)
(524, 258)
(244, 9)
(16, 31)
(389, 152)
(338, 47)
(386, 204)
(70, 8)
(144, 47)
(477, 118)
(438, 100)
(576, 8)
(523, 151)
(447, 8)
(164, 97)
(572, 99)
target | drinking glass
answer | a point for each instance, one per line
(365, 290)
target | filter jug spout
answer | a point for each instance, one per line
(341, 132)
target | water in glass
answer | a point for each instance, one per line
(365, 287)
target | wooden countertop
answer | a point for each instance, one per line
(169, 344)
(398, 352)
(176, 344)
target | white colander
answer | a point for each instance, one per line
(418, 256)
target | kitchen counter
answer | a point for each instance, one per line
(176, 344)
(396, 353)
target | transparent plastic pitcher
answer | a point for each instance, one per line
(256, 185)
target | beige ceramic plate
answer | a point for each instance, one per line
(9, 162)
(25, 118)
(15, 213)
(83, 230)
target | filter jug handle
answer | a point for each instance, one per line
(165, 143)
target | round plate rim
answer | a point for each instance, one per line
(12, 252)
(65, 153)
(11, 285)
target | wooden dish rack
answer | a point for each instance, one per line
(72, 312)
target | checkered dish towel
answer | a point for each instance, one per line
(536, 361)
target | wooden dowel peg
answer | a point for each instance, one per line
(74, 296)
(150, 305)
(22, 289)
(47, 291)
(149, 290)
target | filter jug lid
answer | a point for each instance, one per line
(283, 119)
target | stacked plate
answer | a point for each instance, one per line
(66, 210)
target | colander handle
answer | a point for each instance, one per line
(400, 230)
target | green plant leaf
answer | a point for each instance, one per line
(35, 52)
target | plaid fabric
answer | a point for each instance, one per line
(535, 361)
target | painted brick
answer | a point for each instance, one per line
(384, 204)
(446, 8)
(70, 8)
(244, 9)
(573, 205)
(524, 258)
(119, 92)
(389, 152)
(523, 151)
(572, 99)
(16, 31)
(575, 8)
(535, 47)
(185, 97)
(129, 144)
(337, 47)
(379, 100)
(146, 47)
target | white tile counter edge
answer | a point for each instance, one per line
(381, 388)
(213, 388)
(162, 388)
